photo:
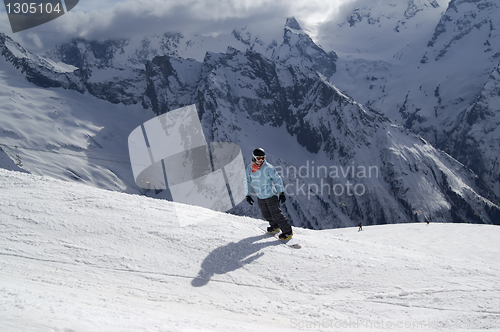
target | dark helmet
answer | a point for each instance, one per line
(259, 152)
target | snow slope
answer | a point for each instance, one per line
(77, 258)
(64, 133)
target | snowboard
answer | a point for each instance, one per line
(293, 243)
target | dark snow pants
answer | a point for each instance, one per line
(270, 208)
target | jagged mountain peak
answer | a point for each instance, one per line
(298, 49)
(292, 23)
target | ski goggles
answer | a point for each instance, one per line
(259, 158)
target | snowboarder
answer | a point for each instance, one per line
(269, 189)
(360, 227)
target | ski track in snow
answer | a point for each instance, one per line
(78, 258)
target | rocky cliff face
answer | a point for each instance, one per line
(38, 69)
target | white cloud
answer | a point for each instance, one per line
(93, 19)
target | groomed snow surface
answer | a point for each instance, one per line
(77, 258)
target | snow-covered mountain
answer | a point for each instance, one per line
(62, 132)
(425, 65)
(476, 140)
(78, 258)
(343, 162)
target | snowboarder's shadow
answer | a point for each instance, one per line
(230, 258)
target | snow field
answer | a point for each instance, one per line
(78, 258)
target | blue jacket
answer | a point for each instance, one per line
(266, 182)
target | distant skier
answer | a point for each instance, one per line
(268, 186)
(360, 227)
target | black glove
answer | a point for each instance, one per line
(282, 198)
(250, 200)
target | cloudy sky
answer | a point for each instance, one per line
(102, 19)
